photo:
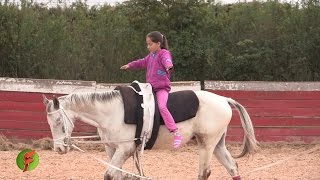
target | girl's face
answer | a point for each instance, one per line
(152, 46)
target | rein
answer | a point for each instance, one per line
(67, 138)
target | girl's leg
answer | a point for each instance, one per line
(162, 97)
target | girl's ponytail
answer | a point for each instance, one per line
(164, 44)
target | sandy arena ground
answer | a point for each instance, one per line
(287, 161)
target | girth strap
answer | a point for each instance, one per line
(148, 106)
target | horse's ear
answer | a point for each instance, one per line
(45, 100)
(55, 102)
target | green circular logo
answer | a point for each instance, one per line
(27, 160)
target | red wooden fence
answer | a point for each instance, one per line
(287, 112)
(279, 111)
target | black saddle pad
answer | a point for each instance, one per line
(182, 105)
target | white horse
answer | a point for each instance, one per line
(105, 111)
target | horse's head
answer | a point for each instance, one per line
(61, 125)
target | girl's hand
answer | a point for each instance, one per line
(124, 66)
(169, 69)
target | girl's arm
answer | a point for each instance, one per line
(166, 60)
(138, 64)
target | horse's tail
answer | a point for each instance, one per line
(250, 144)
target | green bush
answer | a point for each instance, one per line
(260, 41)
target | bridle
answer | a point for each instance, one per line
(66, 122)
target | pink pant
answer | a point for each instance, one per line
(162, 97)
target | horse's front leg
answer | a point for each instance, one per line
(109, 149)
(206, 146)
(119, 158)
(205, 155)
(110, 152)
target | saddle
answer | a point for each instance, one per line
(183, 105)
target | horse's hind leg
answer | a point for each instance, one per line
(225, 158)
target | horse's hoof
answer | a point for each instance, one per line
(130, 177)
(205, 175)
(236, 178)
(108, 177)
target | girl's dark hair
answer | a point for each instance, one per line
(156, 37)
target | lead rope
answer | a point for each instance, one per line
(110, 165)
(277, 162)
(136, 160)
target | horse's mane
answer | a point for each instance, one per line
(90, 98)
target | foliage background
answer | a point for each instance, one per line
(256, 41)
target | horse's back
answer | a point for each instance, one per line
(214, 101)
(213, 116)
(214, 108)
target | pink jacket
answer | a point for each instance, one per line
(156, 65)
